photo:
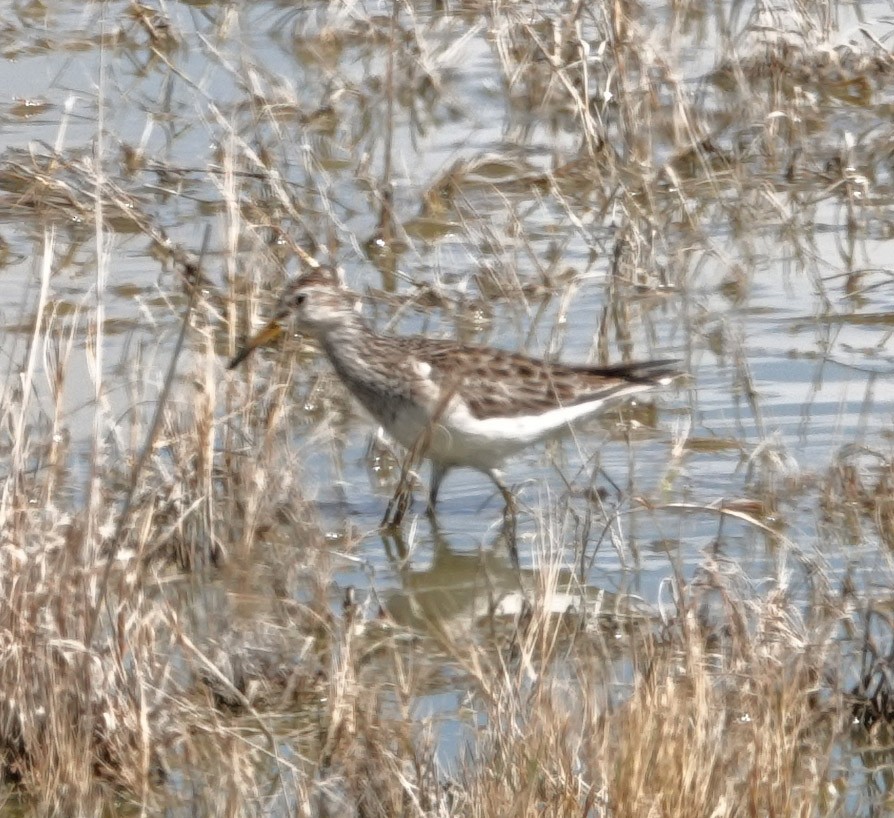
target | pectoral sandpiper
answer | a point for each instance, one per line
(463, 405)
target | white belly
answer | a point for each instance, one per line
(458, 438)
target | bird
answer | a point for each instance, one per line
(456, 404)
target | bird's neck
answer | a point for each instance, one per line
(344, 342)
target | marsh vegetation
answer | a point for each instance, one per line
(199, 611)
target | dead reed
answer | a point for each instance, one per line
(174, 634)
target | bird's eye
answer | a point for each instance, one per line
(300, 299)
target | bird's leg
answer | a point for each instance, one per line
(438, 473)
(510, 512)
(403, 494)
(511, 505)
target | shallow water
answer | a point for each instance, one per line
(745, 298)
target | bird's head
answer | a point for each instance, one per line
(314, 303)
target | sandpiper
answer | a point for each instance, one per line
(453, 403)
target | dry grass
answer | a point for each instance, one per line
(171, 633)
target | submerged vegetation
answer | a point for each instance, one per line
(199, 613)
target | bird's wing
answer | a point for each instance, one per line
(496, 383)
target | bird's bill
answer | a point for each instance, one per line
(267, 335)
